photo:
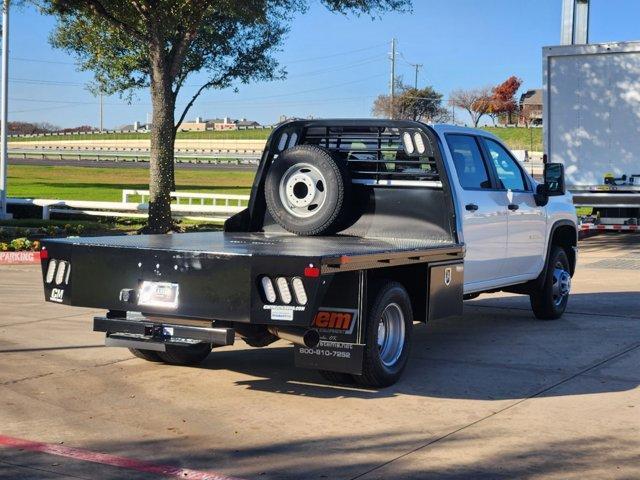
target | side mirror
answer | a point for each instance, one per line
(553, 183)
(554, 179)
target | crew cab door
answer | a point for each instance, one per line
(484, 213)
(526, 221)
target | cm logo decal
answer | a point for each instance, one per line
(57, 295)
(335, 320)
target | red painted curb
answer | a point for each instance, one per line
(19, 258)
(111, 460)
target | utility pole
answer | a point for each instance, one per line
(4, 114)
(417, 66)
(101, 111)
(392, 85)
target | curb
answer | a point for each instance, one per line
(19, 258)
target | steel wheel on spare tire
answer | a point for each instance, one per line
(307, 191)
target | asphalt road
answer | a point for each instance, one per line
(496, 394)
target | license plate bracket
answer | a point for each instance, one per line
(159, 294)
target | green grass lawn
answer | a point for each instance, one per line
(519, 138)
(106, 184)
(258, 134)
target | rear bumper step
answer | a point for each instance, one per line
(122, 332)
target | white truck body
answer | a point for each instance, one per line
(592, 113)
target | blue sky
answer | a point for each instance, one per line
(336, 64)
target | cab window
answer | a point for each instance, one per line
(509, 173)
(470, 167)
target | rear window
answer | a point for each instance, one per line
(467, 159)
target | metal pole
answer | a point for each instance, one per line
(101, 111)
(4, 112)
(575, 22)
(417, 66)
(393, 77)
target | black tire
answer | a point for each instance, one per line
(550, 301)
(191, 355)
(321, 186)
(376, 372)
(148, 355)
(337, 377)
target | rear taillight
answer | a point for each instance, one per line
(51, 270)
(269, 291)
(299, 291)
(285, 289)
(58, 270)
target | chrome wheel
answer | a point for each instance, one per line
(391, 332)
(303, 190)
(561, 284)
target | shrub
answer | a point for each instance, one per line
(20, 244)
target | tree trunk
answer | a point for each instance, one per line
(162, 146)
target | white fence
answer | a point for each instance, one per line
(195, 206)
(180, 198)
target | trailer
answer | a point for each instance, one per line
(592, 126)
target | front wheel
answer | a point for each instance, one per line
(550, 301)
(388, 336)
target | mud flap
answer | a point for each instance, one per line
(339, 322)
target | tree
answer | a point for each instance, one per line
(134, 44)
(476, 102)
(503, 101)
(421, 104)
(28, 128)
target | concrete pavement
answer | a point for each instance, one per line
(495, 394)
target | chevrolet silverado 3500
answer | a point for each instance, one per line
(355, 230)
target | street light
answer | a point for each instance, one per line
(3, 112)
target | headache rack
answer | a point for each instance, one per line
(379, 154)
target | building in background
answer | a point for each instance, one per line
(530, 108)
(226, 123)
(197, 125)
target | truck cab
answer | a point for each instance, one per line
(506, 228)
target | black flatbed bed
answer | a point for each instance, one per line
(335, 252)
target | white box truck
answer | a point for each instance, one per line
(592, 126)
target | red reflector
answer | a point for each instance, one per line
(312, 272)
(44, 254)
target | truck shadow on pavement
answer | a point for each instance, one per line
(498, 350)
(376, 456)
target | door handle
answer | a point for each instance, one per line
(472, 207)
(513, 207)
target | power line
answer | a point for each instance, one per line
(365, 61)
(39, 60)
(301, 60)
(34, 81)
(348, 52)
(216, 102)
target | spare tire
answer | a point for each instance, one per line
(307, 191)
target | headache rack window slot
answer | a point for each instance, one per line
(375, 153)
